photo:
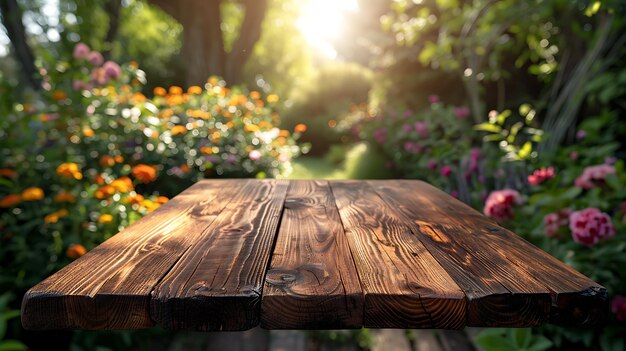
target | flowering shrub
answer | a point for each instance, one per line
(434, 144)
(91, 154)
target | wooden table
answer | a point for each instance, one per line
(230, 254)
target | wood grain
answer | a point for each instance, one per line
(109, 287)
(217, 283)
(229, 254)
(312, 282)
(403, 284)
(576, 299)
(499, 293)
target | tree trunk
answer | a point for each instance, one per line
(12, 21)
(248, 35)
(203, 43)
(112, 8)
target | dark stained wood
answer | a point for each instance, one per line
(230, 254)
(496, 294)
(109, 287)
(217, 283)
(463, 240)
(576, 299)
(404, 286)
(312, 282)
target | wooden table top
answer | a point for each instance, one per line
(233, 254)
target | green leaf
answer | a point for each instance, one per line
(12, 345)
(525, 150)
(521, 337)
(490, 342)
(592, 9)
(488, 127)
(539, 343)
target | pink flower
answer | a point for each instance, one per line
(412, 147)
(581, 134)
(422, 129)
(461, 112)
(78, 84)
(433, 99)
(255, 155)
(407, 128)
(380, 135)
(590, 226)
(81, 50)
(594, 175)
(553, 222)
(454, 194)
(541, 175)
(446, 171)
(95, 58)
(573, 155)
(112, 70)
(499, 204)
(432, 164)
(618, 307)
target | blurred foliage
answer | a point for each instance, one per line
(324, 101)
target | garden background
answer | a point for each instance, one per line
(108, 108)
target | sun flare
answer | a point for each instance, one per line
(322, 21)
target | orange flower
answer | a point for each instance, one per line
(119, 158)
(194, 89)
(176, 90)
(144, 173)
(75, 251)
(10, 200)
(272, 98)
(88, 132)
(104, 192)
(99, 179)
(55, 216)
(150, 205)
(206, 150)
(59, 95)
(176, 130)
(107, 161)
(255, 95)
(300, 128)
(138, 97)
(64, 197)
(251, 128)
(184, 168)
(7, 172)
(159, 91)
(135, 199)
(69, 170)
(105, 218)
(162, 199)
(122, 184)
(32, 194)
(284, 133)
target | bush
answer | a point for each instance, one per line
(90, 155)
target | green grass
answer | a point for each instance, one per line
(360, 162)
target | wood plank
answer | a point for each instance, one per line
(109, 287)
(312, 282)
(404, 286)
(500, 294)
(217, 283)
(576, 299)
